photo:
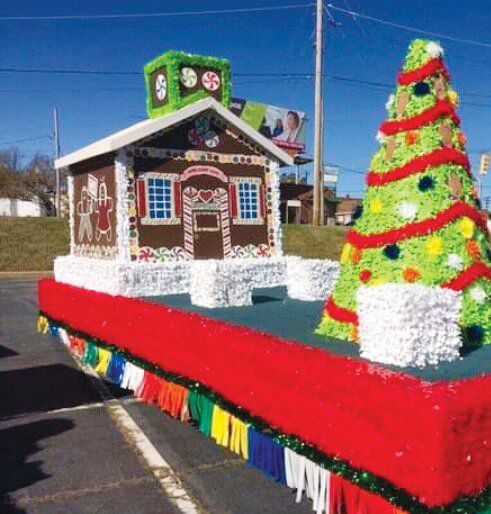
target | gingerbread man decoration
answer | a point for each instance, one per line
(446, 134)
(402, 101)
(440, 87)
(390, 148)
(456, 187)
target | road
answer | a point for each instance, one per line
(61, 450)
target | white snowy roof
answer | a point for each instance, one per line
(148, 127)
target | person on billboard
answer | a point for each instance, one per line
(292, 125)
(278, 129)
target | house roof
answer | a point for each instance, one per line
(148, 127)
(347, 205)
(291, 191)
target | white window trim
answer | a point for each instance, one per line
(238, 220)
(147, 220)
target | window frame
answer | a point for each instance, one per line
(173, 219)
(239, 219)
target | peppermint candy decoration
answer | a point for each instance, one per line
(211, 139)
(160, 87)
(237, 252)
(162, 254)
(178, 254)
(146, 254)
(188, 77)
(210, 81)
(202, 124)
(250, 251)
(263, 251)
(195, 138)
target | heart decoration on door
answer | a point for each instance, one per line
(205, 195)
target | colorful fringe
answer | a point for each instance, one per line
(329, 492)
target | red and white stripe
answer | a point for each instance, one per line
(225, 219)
(189, 196)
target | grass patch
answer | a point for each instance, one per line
(314, 242)
(31, 244)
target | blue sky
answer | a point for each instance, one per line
(92, 106)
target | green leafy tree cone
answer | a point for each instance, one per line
(419, 221)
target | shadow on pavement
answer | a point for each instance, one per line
(6, 352)
(17, 443)
(43, 388)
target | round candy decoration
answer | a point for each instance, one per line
(160, 87)
(195, 137)
(211, 139)
(188, 77)
(210, 80)
(202, 124)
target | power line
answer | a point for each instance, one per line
(46, 136)
(59, 17)
(395, 25)
(131, 72)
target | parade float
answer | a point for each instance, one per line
(182, 209)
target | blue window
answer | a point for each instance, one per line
(159, 198)
(248, 200)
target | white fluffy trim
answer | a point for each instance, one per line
(311, 279)
(123, 278)
(434, 49)
(408, 324)
(218, 284)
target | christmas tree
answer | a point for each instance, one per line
(420, 220)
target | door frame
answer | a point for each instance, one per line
(190, 202)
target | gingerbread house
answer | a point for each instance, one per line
(195, 184)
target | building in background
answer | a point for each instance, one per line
(15, 208)
(345, 210)
(296, 204)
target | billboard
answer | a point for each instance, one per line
(286, 128)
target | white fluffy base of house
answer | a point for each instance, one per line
(211, 283)
(123, 278)
(408, 324)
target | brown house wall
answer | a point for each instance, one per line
(94, 218)
(173, 235)
(179, 138)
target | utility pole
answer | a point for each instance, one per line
(318, 178)
(57, 155)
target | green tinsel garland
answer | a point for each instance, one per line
(363, 479)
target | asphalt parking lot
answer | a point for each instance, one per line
(62, 451)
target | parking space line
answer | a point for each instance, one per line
(161, 470)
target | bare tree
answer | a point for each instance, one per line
(34, 181)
